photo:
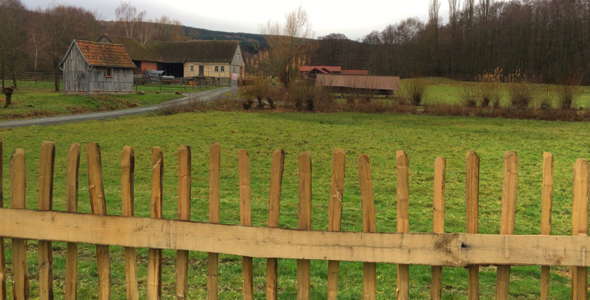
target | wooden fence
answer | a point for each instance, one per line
(436, 249)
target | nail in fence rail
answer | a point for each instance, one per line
(437, 249)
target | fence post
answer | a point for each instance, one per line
(128, 203)
(20, 288)
(245, 220)
(580, 225)
(214, 185)
(438, 220)
(154, 276)
(45, 253)
(274, 203)
(304, 265)
(98, 204)
(2, 254)
(546, 213)
(472, 206)
(184, 213)
(335, 215)
(72, 169)
(403, 221)
(509, 189)
(368, 210)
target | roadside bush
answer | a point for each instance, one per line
(258, 90)
(304, 96)
(487, 90)
(414, 91)
(521, 90)
(568, 92)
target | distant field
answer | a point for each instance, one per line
(378, 135)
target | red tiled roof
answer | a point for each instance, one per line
(105, 55)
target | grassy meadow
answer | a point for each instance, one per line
(379, 135)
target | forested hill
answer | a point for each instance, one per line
(249, 42)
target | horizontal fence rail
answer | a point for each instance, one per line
(437, 249)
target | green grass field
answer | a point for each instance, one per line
(378, 135)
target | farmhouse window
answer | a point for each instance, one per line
(216, 68)
(109, 73)
(222, 68)
(192, 68)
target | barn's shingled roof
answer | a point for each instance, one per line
(105, 55)
(136, 50)
(196, 51)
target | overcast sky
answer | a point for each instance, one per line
(355, 19)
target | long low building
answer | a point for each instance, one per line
(381, 84)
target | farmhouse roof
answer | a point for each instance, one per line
(321, 69)
(135, 49)
(197, 51)
(389, 83)
(355, 72)
(102, 55)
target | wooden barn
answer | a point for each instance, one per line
(97, 68)
(145, 57)
(385, 85)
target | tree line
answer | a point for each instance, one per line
(547, 39)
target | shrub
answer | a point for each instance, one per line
(488, 88)
(568, 92)
(305, 96)
(521, 90)
(258, 90)
(414, 91)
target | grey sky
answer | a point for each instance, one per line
(355, 19)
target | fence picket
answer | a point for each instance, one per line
(403, 220)
(335, 215)
(72, 170)
(509, 189)
(438, 219)
(246, 220)
(45, 253)
(154, 272)
(472, 207)
(214, 185)
(20, 287)
(98, 205)
(128, 207)
(2, 254)
(368, 210)
(546, 212)
(274, 203)
(184, 213)
(304, 265)
(580, 225)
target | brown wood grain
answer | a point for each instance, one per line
(304, 265)
(335, 215)
(403, 220)
(184, 213)
(214, 207)
(547, 200)
(246, 220)
(72, 172)
(438, 221)
(2, 254)
(472, 206)
(45, 253)
(509, 191)
(128, 204)
(98, 205)
(21, 285)
(580, 225)
(274, 204)
(154, 271)
(368, 211)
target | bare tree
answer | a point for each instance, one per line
(128, 16)
(289, 43)
(12, 36)
(145, 28)
(433, 24)
(169, 29)
(35, 46)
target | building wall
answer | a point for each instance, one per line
(208, 69)
(146, 65)
(79, 78)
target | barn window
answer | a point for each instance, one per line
(192, 68)
(109, 73)
(216, 68)
(222, 68)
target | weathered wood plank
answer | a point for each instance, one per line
(509, 190)
(403, 220)
(21, 285)
(304, 265)
(154, 272)
(368, 210)
(246, 220)
(472, 206)
(127, 202)
(546, 216)
(214, 207)
(45, 254)
(438, 221)
(2, 254)
(98, 205)
(580, 225)
(335, 215)
(72, 171)
(449, 249)
(184, 213)
(274, 204)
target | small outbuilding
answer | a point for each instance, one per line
(98, 68)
